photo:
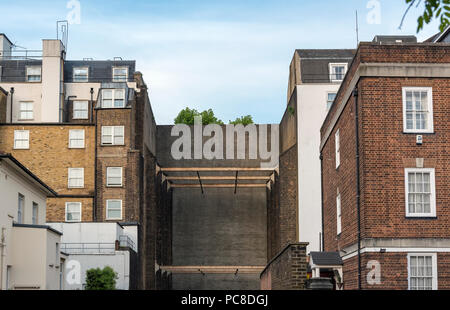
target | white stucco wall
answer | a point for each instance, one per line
(119, 261)
(312, 110)
(25, 249)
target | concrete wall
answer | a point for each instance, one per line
(219, 229)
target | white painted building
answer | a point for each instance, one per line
(30, 256)
(314, 79)
(97, 245)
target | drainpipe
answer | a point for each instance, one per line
(2, 245)
(358, 185)
(322, 239)
(12, 101)
(94, 209)
(92, 105)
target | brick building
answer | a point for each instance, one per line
(385, 167)
(85, 128)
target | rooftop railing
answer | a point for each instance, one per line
(22, 55)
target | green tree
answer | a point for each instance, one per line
(101, 279)
(244, 120)
(439, 9)
(186, 116)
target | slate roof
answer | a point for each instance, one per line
(441, 37)
(326, 258)
(314, 64)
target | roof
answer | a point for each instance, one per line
(3, 91)
(326, 259)
(314, 64)
(9, 158)
(439, 37)
(326, 53)
(6, 37)
(38, 227)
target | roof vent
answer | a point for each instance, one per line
(394, 39)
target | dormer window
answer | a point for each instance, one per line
(33, 74)
(113, 98)
(120, 74)
(81, 74)
(337, 72)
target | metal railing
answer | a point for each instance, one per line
(22, 55)
(88, 248)
(126, 242)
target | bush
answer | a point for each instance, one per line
(101, 279)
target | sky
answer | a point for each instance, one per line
(232, 55)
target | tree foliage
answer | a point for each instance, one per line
(186, 116)
(244, 120)
(439, 9)
(101, 279)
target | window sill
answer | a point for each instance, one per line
(76, 148)
(419, 132)
(109, 145)
(82, 119)
(25, 120)
(20, 148)
(114, 186)
(422, 217)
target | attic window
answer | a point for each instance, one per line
(120, 74)
(337, 71)
(33, 74)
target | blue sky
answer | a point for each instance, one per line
(232, 56)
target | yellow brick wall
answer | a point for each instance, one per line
(56, 209)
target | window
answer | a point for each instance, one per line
(114, 176)
(338, 213)
(35, 215)
(73, 211)
(33, 74)
(337, 72)
(80, 110)
(420, 193)
(81, 74)
(26, 110)
(120, 74)
(337, 142)
(20, 209)
(330, 99)
(113, 98)
(113, 209)
(113, 135)
(21, 139)
(417, 109)
(422, 271)
(76, 138)
(76, 178)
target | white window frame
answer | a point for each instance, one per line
(434, 268)
(85, 77)
(20, 208)
(337, 146)
(27, 147)
(114, 97)
(35, 213)
(431, 171)
(429, 91)
(69, 172)
(115, 77)
(113, 135)
(81, 210)
(26, 111)
(338, 213)
(333, 75)
(329, 104)
(107, 209)
(108, 184)
(73, 131)
(74, 109)
(28, 75)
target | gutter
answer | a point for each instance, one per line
(358, 184)
(322, 241)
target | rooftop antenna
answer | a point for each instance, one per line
(357, 30)
(62, 32)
